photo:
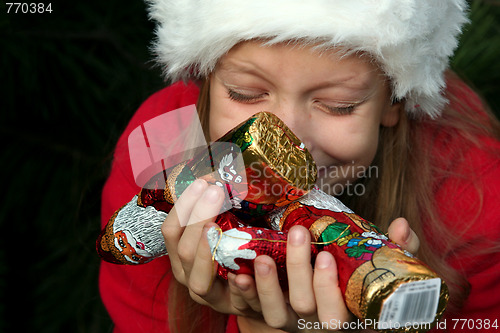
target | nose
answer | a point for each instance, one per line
(296, 117)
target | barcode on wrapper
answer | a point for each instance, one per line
(413, 303)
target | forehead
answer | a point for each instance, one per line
(305, 63)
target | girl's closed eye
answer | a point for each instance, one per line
(341, 109)
(245, 96)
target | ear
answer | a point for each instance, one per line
(391, 115)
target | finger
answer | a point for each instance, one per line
(242, 293)
(248, 291)
(204, 287)
(202, 277)
(329, 300)
(300, 274)
(237, 299)
(400, 232)
(204, 211)
(208, 206)
(173, 226)
(274, 308)
(221, 303)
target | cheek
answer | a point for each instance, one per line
(358, 134)
(217, 126)
(350, 142)
(221, 117)
(225, 114)
(350, 154)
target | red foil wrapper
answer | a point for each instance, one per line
(272, 185)
(388, 287)
(260, 164)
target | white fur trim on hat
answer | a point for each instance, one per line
(411, 39)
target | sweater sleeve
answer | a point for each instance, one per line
(136, 296)
(471, 209)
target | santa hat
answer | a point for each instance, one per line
(411, 39)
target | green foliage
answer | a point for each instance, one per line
(70, 82)
(477, 58)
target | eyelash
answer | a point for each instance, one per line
(238, 97)
(340, 110)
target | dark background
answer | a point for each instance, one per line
(70, 81)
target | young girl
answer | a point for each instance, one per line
(362, 84)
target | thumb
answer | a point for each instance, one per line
(401, 233)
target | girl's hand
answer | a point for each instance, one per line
(184, 231)
(313, 295)
(401, 233)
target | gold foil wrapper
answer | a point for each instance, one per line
(372, 283)
(279, 171)
(278, 167)
(388, 288)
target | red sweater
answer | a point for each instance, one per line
(136, 296)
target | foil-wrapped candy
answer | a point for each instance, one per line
(260, 164)
(268, 177)
(386, 286)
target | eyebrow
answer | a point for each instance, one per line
(233, 66)
(347, 82)
(236, 66)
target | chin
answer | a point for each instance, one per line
(340, 186)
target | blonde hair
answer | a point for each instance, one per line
(405, 187)
(410, 168)
(184, 314)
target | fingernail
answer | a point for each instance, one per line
(211, 195)
(323, 260)
(262, 269)
(296, 237)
